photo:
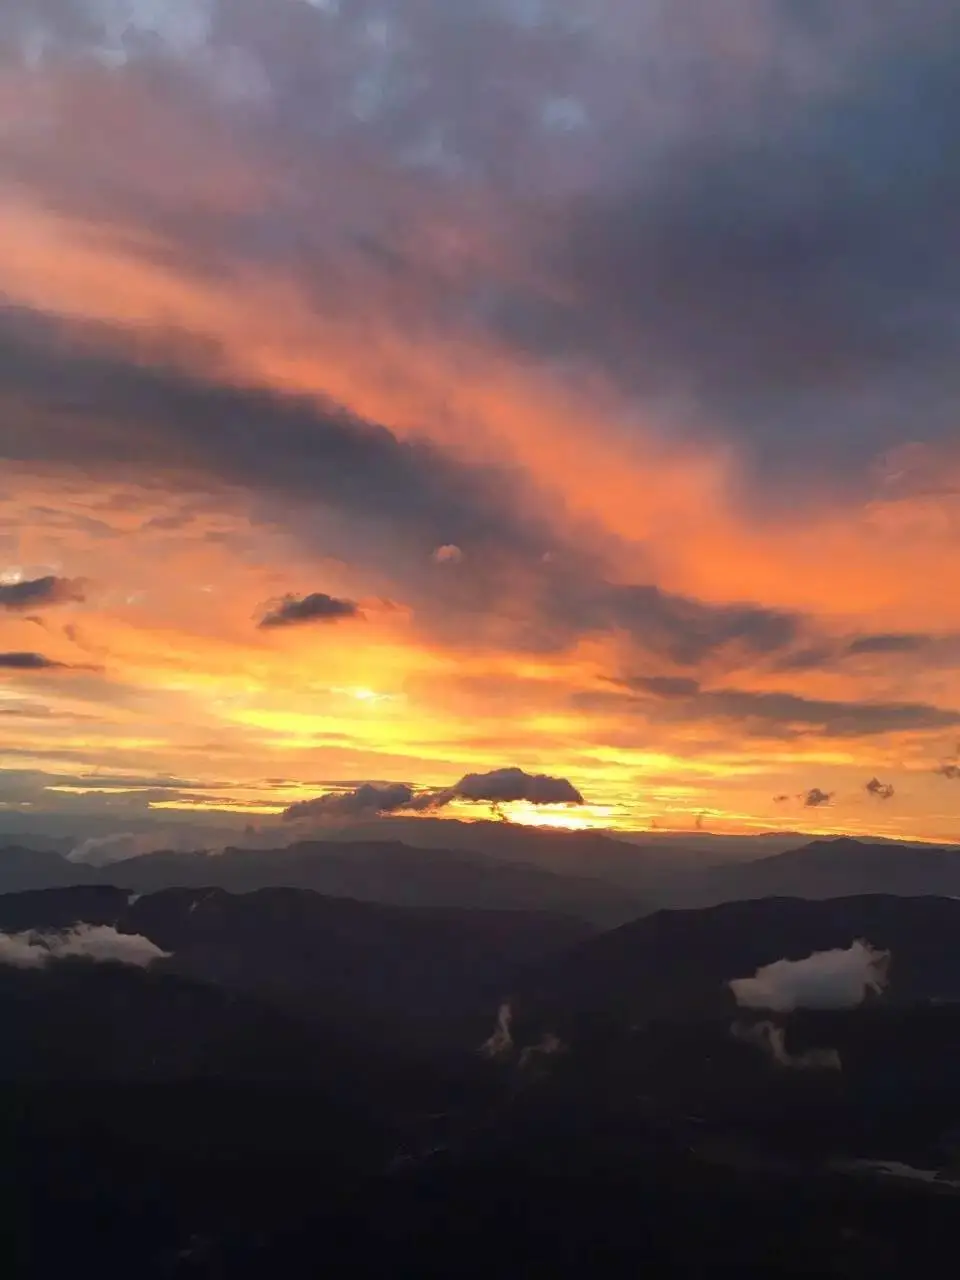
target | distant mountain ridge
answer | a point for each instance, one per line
(387, 872)
(678, 963)
(588, 875)
(689, 870)
(834, 868)
(313, 954)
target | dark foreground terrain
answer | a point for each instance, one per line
(211, 1181)
(263, 1100)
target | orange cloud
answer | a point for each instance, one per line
(181, 576)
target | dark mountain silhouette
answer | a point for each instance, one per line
(654, 1036)
(373, 871)
(496, 866)
(234, 1111)
(314, 953)
(686, 869)
(24, 868)
(84, 1021)
(678, 962)
(828, 869)
(639, 866)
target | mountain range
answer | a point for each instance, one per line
(826, 869)
(312, 954)
(590, 876)
(386, 872)
(253, 1093)
(678, 963)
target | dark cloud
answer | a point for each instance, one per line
(40, 711)
(503, 786)
(36, 592)
(814, 798)
(26, 661)
(689, 631)
(95, 401)
(367, 495)
(372, 799)
(671, 626)
(134, 782)
(701, 217)
(368, 800)
(881, 790)
(768, 225)
(91, 792)
(667, 686)
(294, 611)
(890, 642)
(794, 278)
(780, 714)
(939, 649)
(810, 658)
(950, 768)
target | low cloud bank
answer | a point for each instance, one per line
(824, 980)
(101, 942)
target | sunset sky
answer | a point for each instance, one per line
(398, 391)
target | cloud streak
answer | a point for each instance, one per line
(785, 714)
(36, 593)
(26, 660)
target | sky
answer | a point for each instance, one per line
(399, 393)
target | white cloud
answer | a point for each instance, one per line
(35, 949)
(824, 980)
